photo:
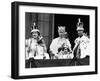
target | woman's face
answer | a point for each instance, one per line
(35, 34)
(61, 33)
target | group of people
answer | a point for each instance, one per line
(60, 47)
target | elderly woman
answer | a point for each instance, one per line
(35, 46)
(60, 47)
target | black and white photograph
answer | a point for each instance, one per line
(51, 40)
(56, 40)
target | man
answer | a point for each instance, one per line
(81, 48)
(58, 45)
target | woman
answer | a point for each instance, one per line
(35, 46)
(60, 47)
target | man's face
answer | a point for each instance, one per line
(80, 32)
(35, 34)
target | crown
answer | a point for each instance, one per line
(79, 25)
(34, 27)
(61, 28)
